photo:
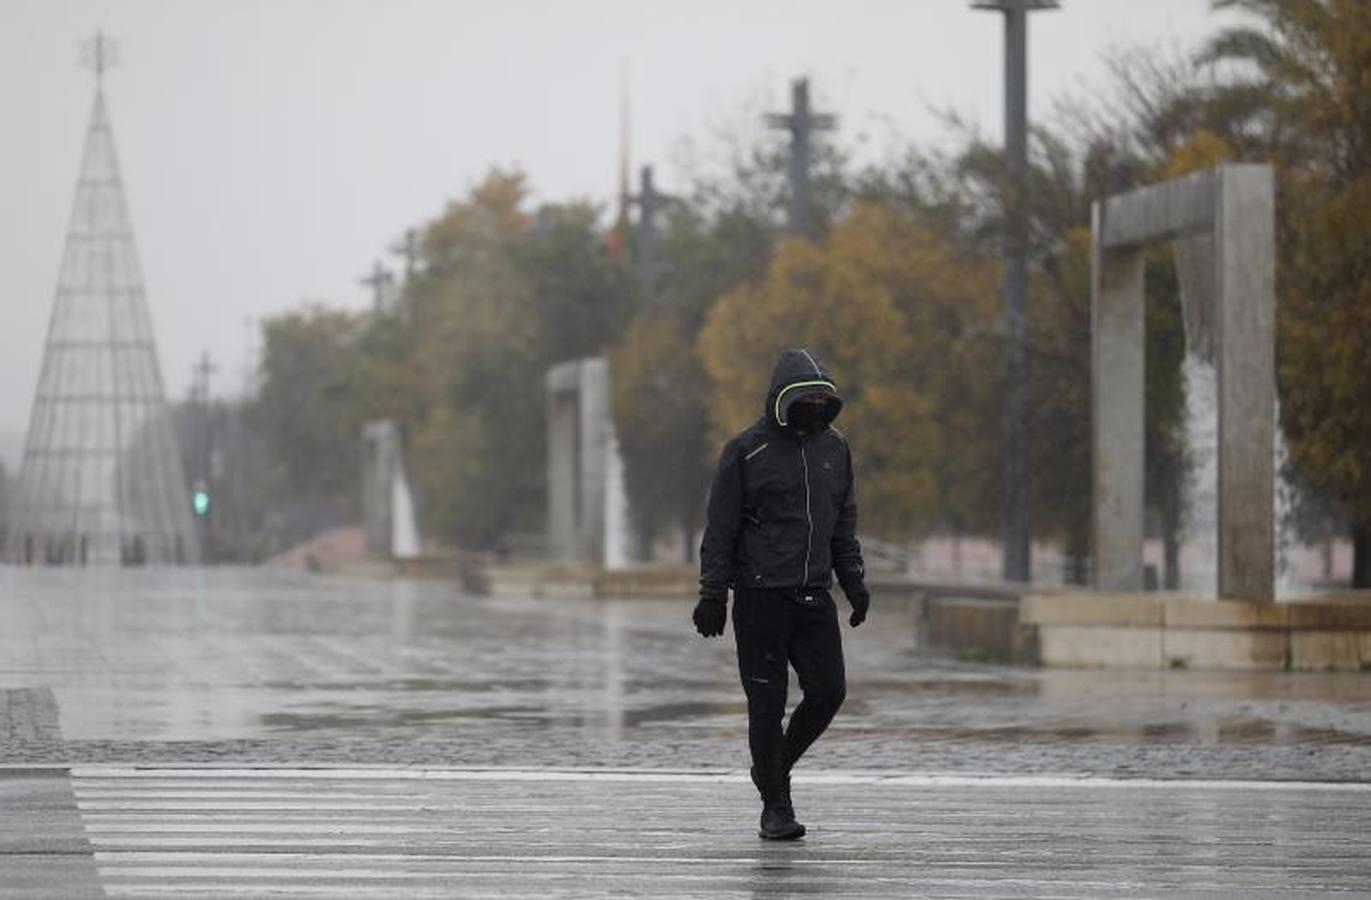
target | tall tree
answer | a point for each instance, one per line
(503, 293)
(1309, 62)
(581, 296)
(305, 412)
(719, 237)
(1065, 178)
(660, 399)
(898, 312)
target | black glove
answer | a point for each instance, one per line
(860, 598)
(710, 614)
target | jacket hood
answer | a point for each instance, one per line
(798, 373)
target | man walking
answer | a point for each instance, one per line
(782, 518)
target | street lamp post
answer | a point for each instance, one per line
(1015, 488)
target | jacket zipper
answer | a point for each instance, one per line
(809, 541)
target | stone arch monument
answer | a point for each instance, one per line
(1223, 222)
(587, 508)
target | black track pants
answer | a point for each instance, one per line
(776, 628)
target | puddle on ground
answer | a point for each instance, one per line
(411, 685)
(369, 717)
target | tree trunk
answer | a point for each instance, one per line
(1361, 555)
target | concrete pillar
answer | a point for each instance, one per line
(563, 461)
(597, 426)
(1245, 297)
(377, 446)
(388, 515)
(585, 475)
(1117, 342)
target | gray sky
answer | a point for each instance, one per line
(273, 148)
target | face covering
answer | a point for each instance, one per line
(808, 416)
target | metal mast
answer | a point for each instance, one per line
(1015, 489)
(801, 122)
(380, 281)
(650, 203)
(102, 480)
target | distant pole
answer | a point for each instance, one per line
(1015, 487)
(379, 280)
(618, 242)
(650, 202)
(407, 248)
(801, 122)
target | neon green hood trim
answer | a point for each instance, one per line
(797, 386)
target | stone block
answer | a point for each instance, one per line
(984, 629)
(1224, 648)
(1100, 646)
(647, 582)
(1121, 610)
(1330, 651)
(1333, 616)
(1191, 612)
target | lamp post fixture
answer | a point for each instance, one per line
(1015, 488)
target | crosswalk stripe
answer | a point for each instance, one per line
(350, 832)
(892, 778)
(373, 832)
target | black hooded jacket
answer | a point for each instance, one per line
(782, 509)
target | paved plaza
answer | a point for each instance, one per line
(252, 733)
(380, 832)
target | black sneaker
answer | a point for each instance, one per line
(784, 809)
(778, 825)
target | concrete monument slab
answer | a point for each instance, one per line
(1226, 215)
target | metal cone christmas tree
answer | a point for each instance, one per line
(102, 481)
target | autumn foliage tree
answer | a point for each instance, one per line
(898, 311)
(660, 399)
(306, 419)
(304, 406)
(502, 292)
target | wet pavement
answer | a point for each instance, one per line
(247, 733)
(252, 666)
(378, 832)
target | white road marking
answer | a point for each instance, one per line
(423, 832)
(169, 826)
(195, 857)
(892, 778)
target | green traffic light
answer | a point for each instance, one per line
(201, 502)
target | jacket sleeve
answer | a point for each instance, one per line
(722, 522)
(845, 550)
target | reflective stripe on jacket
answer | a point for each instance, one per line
(782, 507)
